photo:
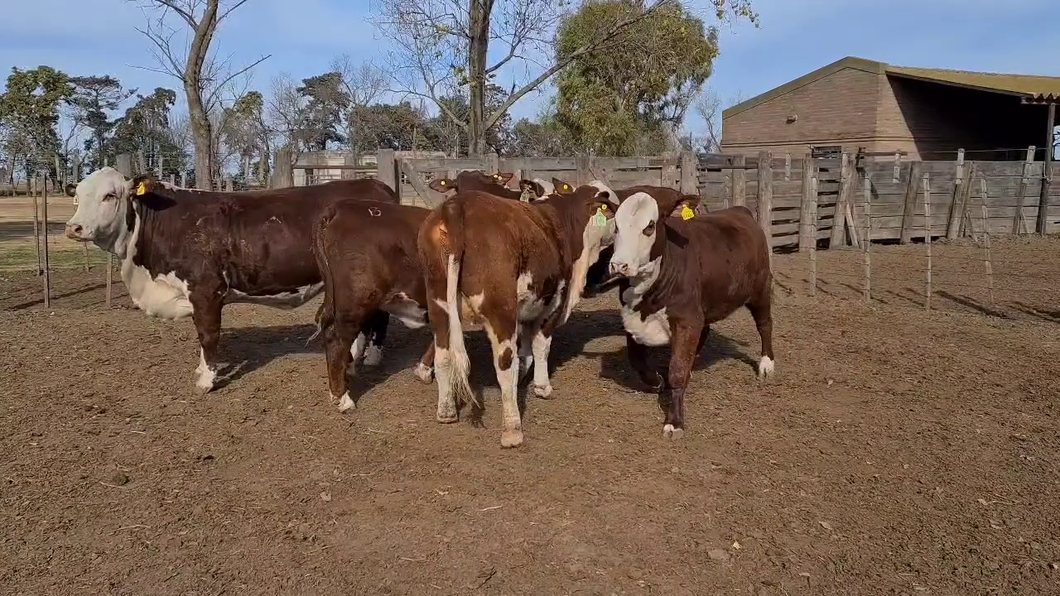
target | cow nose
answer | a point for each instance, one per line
(616, 268)
(73, 231)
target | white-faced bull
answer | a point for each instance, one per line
(677, 276)
(188, 252)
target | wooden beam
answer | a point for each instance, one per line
(808, 206)
(1043, 196)
(954, 223)
(417, 183)
(912, 190)
(1019, 222)
(739, 181)
(847, 181)
(765, 196)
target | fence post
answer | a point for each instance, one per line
(953, 225)
(847, 179)
(739, 180)
(493, 163)
(282, 173)
(866, 241)
(909, 209)
(896, 174)
(813, 232)
(805, 238)
(1019, 221)
(987, 265)
(926, 183)
(110, 271)
(47, 264)
(386, 169)
(689, 173)
(765, 198)
(31, 186)
(1047, 176)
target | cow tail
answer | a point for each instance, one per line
(453, 217)
(320, 252)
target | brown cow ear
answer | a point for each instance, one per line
(143, 184)
(442, 185)
(601, 206)
(685, 208)
(71, 190)
(561, 186)
(503, 177)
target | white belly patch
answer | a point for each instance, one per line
(653, 330)
(292, 299)
(165, 296)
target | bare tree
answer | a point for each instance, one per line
(442, 45)
(285, 110)
(363, 83)
(205, 78)
(709, 106)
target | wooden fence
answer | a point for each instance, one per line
(802, 195)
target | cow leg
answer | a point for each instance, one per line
(206, 315)
(424, 370)
(638, 359)
(445, 369)
(527, 332)
(376, 325)
(542, 346)
(342, 351)
(703, 339)
(501, 328)
(685, 337)
(761, 311)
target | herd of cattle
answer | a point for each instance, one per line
(514, 261)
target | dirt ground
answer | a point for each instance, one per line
(897, 451)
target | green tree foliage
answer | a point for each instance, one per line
(29, 111)
(243, 130)
(388, 126)
(626, 97)
(327, 103)
(145, 128)
(93, 99)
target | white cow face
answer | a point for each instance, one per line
(102, 208)
(637, 224)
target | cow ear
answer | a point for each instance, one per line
(503, 177)
(561, 186)
(71, 190)
(536, 187)
(601, 205)
(685, 207)
(142, 184)
(442, 185)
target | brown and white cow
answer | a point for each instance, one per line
(678, 275)
(368, 258)
(520, 269)
(495, 184)
(188, 252)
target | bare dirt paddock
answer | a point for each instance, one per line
(895, 452)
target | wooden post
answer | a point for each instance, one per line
(689, 173)
(866, 242)
(806, 237)
(896, 174)
(387, 171)
(1019, 221)
(581, 174)
(739, 180)
(31, 186)
(84, 245)
(926, 182)
(110, 270)
(44, 226)
(813, 233)
(988, 267)
(184, 180)
(765, 198)
(493, 163)
(846, 181)
(787, 167)
(1047, 175)
(953, 225)
(670, 178)
(909, 210)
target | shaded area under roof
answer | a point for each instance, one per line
(1031, 88)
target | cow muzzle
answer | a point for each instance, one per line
(76, 232)
(618, 269)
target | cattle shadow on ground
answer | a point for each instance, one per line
(972, 304)
(1051, 316)
(40, 301)
(247, 349)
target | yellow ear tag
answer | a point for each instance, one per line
(442, 182)
(687, 213)
(141, 189)
(565, 187)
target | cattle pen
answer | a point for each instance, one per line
(906, 445)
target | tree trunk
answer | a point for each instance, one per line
(479, 28)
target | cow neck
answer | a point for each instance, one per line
(648, 293)
(576, 250)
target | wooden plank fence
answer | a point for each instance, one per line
(796, 188)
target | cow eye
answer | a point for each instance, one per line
(649, 229)
(110, 196)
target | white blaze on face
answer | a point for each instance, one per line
(546, 186)
(632, 244)
(101, 210)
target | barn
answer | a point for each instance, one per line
(925, 113)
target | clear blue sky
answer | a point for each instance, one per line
(85, 37)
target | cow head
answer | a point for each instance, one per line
(598, 205)
(102, 209)
(640, 223)
(442, 185)
(561, 187)
(501, 178)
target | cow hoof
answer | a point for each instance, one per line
(511, 438)
(543, 391)
(669, 432)
(373, 356)
(765, 368)
(424, 373)
(346, 403)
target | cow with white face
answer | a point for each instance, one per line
(677, 275)
(188, 252)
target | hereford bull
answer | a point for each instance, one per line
(520, 269)
(189, 252)
(368, 258)
(677, 276)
